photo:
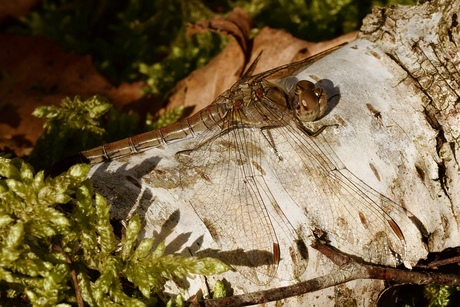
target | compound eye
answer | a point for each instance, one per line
(311, 101)
(303, 85)
(308, 106)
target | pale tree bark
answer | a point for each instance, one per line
(422, 44)
(394, 101)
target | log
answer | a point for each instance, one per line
(394, 115)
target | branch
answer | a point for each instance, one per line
(73, 274)
(349, 269)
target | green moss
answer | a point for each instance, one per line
(440, 296)
(51, 228)
(219, 290)
(165, 119)
(70, 128)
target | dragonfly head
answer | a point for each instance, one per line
(310, 101)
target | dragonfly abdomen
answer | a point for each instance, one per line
(205, 119)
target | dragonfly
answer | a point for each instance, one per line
(258, 128)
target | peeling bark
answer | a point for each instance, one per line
(394, 104)
(423, 42)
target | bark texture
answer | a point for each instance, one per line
(423, 42)
(394, 101)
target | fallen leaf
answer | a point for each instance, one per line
(14, 9)
(36, 72)
(203, 85)
(237, 24)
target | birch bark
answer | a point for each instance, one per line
(395, 99)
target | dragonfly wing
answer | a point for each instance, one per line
(230, 196)
(354, 217)
(292, 68)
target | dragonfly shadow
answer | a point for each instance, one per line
(123, 189)
(332, 92)
(181, 245)
(240, 257)
(167, 229)
(138, 170)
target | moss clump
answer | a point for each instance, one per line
(57, 245)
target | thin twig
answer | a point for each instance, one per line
(73, 274)
(349, 269)
(438, 263)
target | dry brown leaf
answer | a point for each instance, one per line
(203, 85)
(36, 72)
(237, 24)
(12, 9)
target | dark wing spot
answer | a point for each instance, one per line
(276, 253)
(373, 110)
(396, 229)
(420, 172)
(259, 168)
(375, 54)
(374, 170)
(302, 248)
(203, 174)
(363, 219)
(212, 230)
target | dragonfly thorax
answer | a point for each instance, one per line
(274, 94)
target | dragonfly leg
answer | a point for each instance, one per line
(268, 136)
(209, 139)
(317, 132)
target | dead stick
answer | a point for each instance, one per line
(73, 274)
(349, 270)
